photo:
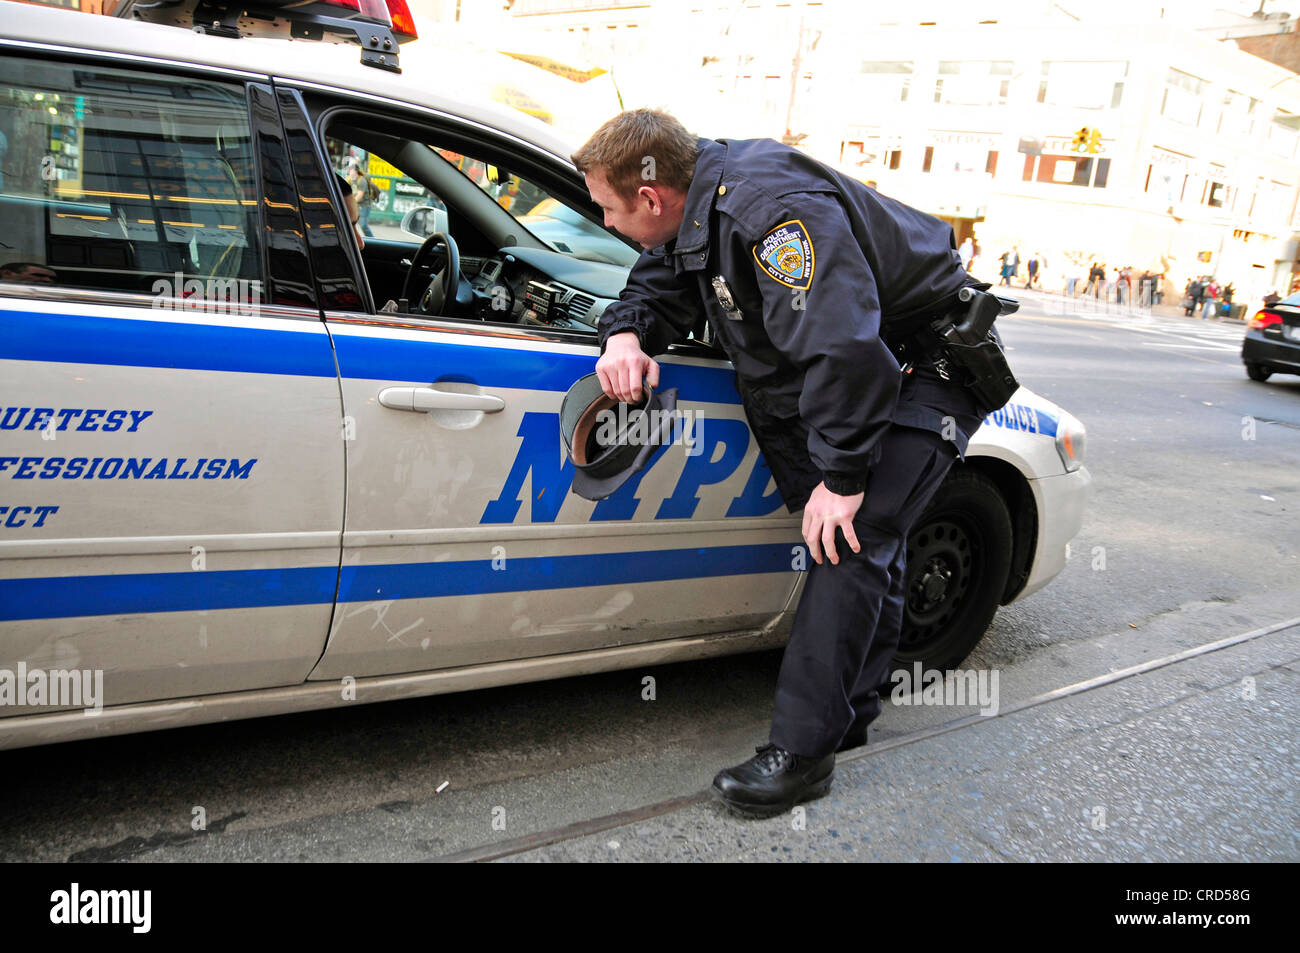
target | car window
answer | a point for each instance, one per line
(562, 228)
(1294, 299)
(126, 181)
(402, 209)
(385, 194)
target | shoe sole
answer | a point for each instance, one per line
(817, 790)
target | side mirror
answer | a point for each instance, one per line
(423, 221)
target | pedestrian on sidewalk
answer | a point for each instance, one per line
(1010, 265)
(1096, 278)
(364, 193)
(1211, 300)
(1192, 296)
(966, 252)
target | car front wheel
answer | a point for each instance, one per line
(958, 559)
(1258, 372)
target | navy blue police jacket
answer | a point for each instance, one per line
(796, 268)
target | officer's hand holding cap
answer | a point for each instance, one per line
(589, 418)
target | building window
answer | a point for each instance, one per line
(973, 82)
(1215, 191)
(1058, 169)
(864, 146)
(1283, 133)
(1083, 85)
(1166, 175)
(1279, 201)
(961, 153)
(1067, 170)
(929, 158)
(885, 80)
(991, 164)
(1237, 117)
(1183, 98)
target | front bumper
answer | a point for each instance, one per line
(1061, 502)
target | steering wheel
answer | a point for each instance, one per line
(443, 287)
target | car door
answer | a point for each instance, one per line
(170, 450)
(463, 543)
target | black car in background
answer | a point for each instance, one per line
(1272, 342)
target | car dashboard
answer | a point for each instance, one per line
(508, 289)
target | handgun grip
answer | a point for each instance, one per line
(982, 310)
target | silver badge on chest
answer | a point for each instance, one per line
(725, 299)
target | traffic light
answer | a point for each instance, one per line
(1080, 142)
(1094, 141)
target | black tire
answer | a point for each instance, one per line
(1257, 372)
(958, 560)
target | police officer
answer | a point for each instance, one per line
(805, 278)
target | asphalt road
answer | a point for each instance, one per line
(1190, 537)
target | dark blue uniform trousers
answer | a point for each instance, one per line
(850, 616)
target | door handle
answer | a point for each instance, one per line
(430, 398)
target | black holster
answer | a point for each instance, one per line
(957, 335)
(972, 349)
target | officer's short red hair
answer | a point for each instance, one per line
(622, 147)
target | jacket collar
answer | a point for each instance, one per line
(692, 240)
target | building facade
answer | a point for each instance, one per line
(969, 111)
(1196, 169)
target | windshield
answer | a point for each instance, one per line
(394, 205)
(564, 229)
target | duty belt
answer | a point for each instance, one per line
(919, 347)
(961, 344)
(911, 336)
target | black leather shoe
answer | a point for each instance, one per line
(773, 781)
(854, 739)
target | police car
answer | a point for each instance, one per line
(250, 466)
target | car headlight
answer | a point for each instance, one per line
(1071, 441)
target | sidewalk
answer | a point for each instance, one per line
(1195, 760)
(1091, 305)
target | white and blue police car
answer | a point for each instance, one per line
(235, 481)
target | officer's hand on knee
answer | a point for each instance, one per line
(823, 514)
(623, 366)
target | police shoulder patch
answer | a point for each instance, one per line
(786, 255)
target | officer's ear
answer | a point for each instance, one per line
(650, 195)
